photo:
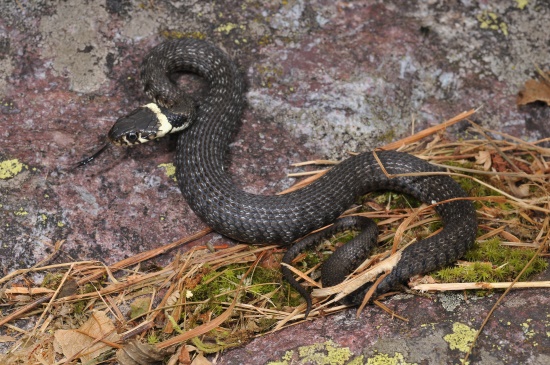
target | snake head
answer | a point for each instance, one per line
(147, 123)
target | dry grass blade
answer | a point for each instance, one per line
(370, 292)
(47, 310)
(22, 311)
(389, 311)
(429, 131)
(303, 183)
(301, 275)
(315, 162)
(480, 285)
(211, 325)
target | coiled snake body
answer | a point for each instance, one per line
(281, 219)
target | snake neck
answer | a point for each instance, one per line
(219, 112)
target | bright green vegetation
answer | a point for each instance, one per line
(262, 284)
(491, 262)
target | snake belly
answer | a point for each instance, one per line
(282, 219)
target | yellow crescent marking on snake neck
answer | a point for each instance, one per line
(164, 126)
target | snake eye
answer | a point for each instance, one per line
(132, 137)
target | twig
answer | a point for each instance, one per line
(428, 131)
(480, 285)
(21, 311)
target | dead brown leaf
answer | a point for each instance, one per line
(138, 353)
(533, 91)
(524, 167)
(484, 158)
(200, 360)
(521, 191)
(499, 163)
(89, 341)
(139, 307)
(271, 260)
(184, 357)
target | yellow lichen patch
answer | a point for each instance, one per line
(10, 168)
(522, 3)
(265, 40)
(461, 338)
(21, 212)
(324, 353)
(527, 330)
(385, 359)
(285, 359)
(169, 170)
(228, 27)
(490, 20)
(269, 74)
(327, 352)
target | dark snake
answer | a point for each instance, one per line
(210, 124)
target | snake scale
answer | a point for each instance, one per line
(210, 124)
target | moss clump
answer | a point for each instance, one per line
(262, 283)
(152, 338)
(79, 307)
(492, 262)
(477, 272)
(52, 281)
(512, 260)
(218, 285)
(313, 257)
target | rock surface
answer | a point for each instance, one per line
(325, 78)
